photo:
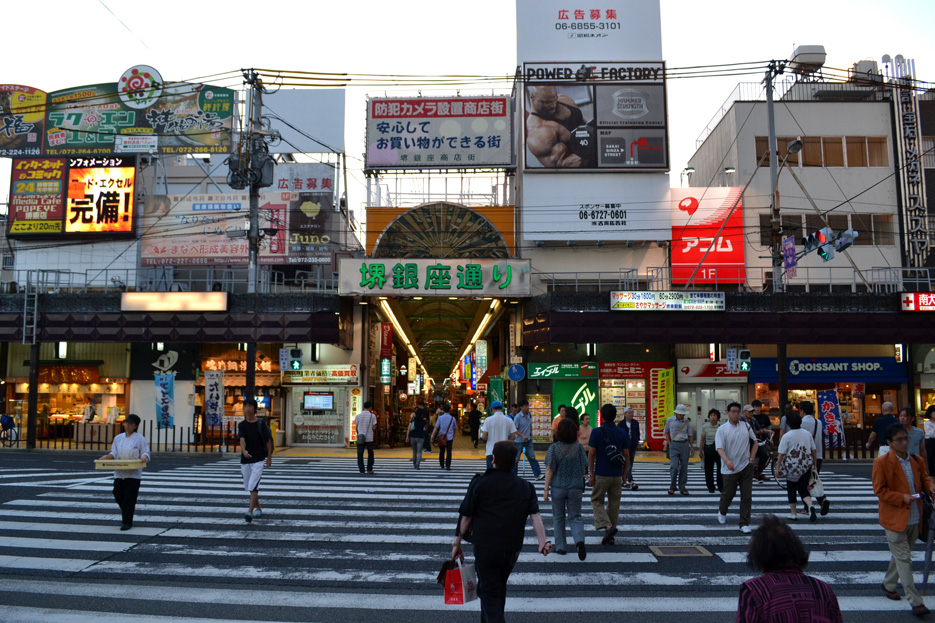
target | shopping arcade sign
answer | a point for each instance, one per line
(433, 277)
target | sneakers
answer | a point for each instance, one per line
(721, 519)
(825, 507)
(812, 513)
(540, 477)
(745, 529)
(793, 517)
(582, 553)
(248, 517)
(258, 513)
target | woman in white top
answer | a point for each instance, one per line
(128, 445)
(930, 437)
(796, 460)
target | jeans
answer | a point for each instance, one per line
(444, 455)
(678, 465)
(493, 568)
(567, 503)
(360, 455)
(900, 568)
(416, 450)
(628, 474)
(744, 478)
(712, 460)
(610, 486)
(126, 491)
(530, 456)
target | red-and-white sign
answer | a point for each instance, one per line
(704, 371)
(697, 215)
(917, 301)
(629, 369)
(386, 340)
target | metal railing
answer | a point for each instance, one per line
(623, 279)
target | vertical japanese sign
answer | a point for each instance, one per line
(37, 196)
(411, 370)
(386, 340)
(100, 195)
(306, 235)
(22, 120)
(707, 235)
(829, 413)
(495, 390)
(580, 394)
(165, 400)
(480, 348)
(665, 396)
(789, 261)
(214, 397)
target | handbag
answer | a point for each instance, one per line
(443, 438)
(816, 488)
(461, 584)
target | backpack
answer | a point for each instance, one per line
(614, 455)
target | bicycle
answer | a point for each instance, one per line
(771, 455)
(9, 436)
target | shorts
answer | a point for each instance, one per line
(252, 472)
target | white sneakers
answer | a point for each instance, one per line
(721, 519)
(793, 517)
(745, 529)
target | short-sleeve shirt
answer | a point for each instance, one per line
(916, 439)
(446, 425)
(523, 424)
(796, 446)
(255, 436)
(364, 423)
(499, 503)
(734, 439)
(498, 428)
(616, 436)
(708, 431)
(568, 463)
(678, 430)
(813, 426)
(880, 426)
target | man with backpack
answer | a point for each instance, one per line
(606, 459)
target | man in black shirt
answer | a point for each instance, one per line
(474, 422)
(495, 509)
(256, 451)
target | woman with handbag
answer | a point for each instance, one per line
(795, 462)
(565, 467)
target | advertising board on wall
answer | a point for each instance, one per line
(667, 301)
(698, 215)
(439, 133)
(22, 120)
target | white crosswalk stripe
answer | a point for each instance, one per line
(329, 530)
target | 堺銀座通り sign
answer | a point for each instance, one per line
(433, 277)
(667, 301)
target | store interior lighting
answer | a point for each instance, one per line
(480, 331)
(402, 334)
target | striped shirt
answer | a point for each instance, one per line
(365, 423)
(910, 477)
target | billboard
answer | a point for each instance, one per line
(439, 133)
(698, 214)
(595, 116)
(557, 29)
(319, 132)
(87, 195)
(22, 120)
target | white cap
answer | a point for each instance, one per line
(681, 409)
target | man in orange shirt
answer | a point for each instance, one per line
(899, 479)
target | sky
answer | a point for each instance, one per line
(55, 44)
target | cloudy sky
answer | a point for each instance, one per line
(54, 44)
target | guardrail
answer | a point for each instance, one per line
(623, 279)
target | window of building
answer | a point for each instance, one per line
(863, 225)
(7, 262)
(811, 151)
(782, 142)
(884, 229)
(829, 151)
(876, 151)
(762, 147)
(856, 151)
(833, 148)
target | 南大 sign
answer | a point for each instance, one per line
(706, 371)
(629, 369)
(699, 240)
(562, 370)
(433, 277)
(917, 301)
(439, 133)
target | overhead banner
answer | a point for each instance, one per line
(386, 340)
(92, 195)
(707, 235)
(214, 397)
(439, 133)
(596, 116)
(667, 301)
(165, 400)
(22, 120)
(556, 29)
(433, 277)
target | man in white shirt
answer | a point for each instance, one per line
(365, 423)
(811, 424)
(737, 453)
(128, 445)
(497, 427)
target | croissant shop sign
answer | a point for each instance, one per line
(831, 369)
(328, 375)
(562, 370)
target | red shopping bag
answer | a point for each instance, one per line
(461, 584)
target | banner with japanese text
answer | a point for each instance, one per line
(829, 414)
(665, 397)
(433, 277)
(165, 400)
(707, 235)
(22, 120)
(214, 397)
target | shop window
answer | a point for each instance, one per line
(856, 151)
(833, 149)
(876, 151)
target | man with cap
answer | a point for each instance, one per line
(497, 427)
(633, 430)
(523, 423)
(678, 438)
(128, 446)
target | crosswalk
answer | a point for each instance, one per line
(331, 540)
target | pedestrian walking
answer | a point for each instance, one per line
(494, 510)
(606, 479)
(584, 431)
(783, 594)
(366, 424)
(736, 444)
(763, 434)
(930, 437)
(709, 455)
(916, 434)
(414, 436)
(558, 418)
(795, 461)
(811, 424)
(880, 426)
(128, 446)
(632, 427)
(899, 481)
(256, 451)
(444, 434)
(565, 467)
(474, 422)
(497, 427)
(523, 440)
(678, 440)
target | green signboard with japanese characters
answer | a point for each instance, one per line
(433, 277)
(581, 394)
(584, 370)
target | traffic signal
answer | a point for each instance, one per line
(845, 240)
(743, 360)
(826, 244)
(295, 359)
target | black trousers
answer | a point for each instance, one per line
(493, 568)
(799, 487)
(712, 461)
(444, 455)
(475, 435)
(367, 445)
(126, 491)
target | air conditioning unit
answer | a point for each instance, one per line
(807, 59)
(865, 72)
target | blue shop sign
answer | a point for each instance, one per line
(831, 370)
